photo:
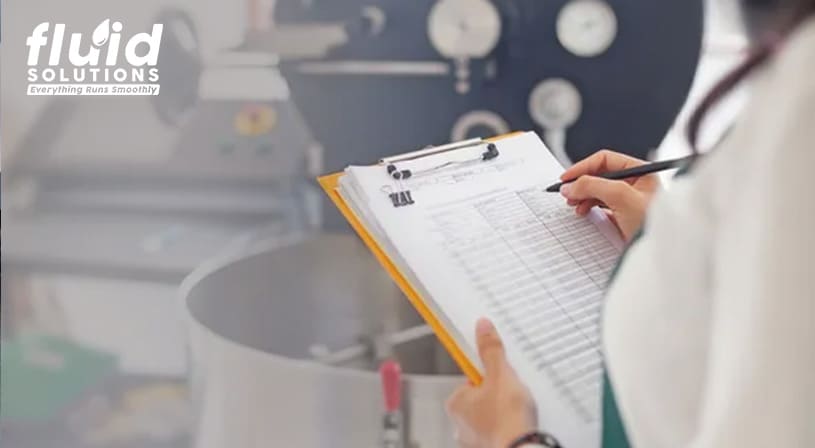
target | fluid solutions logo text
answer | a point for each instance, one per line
(104, 65)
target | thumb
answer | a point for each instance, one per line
(490, 347)
(615, 194)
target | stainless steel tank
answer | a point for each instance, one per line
(256, 323)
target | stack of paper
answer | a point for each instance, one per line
(484, 239)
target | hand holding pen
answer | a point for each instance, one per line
(626, 200)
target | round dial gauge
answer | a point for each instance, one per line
(464, 28)
(478, 120)
(587, 27)
(555, 104)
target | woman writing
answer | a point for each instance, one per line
(709, 322)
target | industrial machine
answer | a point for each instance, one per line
(156, 185)
(111, 201)
(586, 74)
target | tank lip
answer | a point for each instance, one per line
(221, 261)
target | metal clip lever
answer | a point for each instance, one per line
(397, 174)
(432, 150)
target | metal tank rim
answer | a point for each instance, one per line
(220, 262)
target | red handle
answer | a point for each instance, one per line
(391, 374)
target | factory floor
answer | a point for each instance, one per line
(144, 401)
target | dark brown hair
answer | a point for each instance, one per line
(788, 16)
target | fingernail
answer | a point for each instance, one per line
(566, 190)
(483, 327)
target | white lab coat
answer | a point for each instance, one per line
(709, 327)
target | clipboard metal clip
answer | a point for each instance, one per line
(401, 198)
(404, 198)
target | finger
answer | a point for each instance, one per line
(610, 216)
(490, 347)
(584, 207)
(614, 194)
(601, 162)
(456, 401)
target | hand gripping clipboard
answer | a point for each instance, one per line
(330, 184)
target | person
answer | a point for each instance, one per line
(709, 322)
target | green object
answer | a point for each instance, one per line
(614, 435)
(43, 375)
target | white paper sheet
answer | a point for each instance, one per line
(485, 239)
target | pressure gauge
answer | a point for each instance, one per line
(464, 29)
(555, 104)
(487, 122)
(587, 28)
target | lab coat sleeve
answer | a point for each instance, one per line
(760, 384)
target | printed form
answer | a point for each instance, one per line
(485, 239)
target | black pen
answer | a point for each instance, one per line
(637, 171)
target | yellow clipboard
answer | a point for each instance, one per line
(329, 183)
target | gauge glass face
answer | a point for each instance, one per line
(464, 29)
(587, 28)
(555, 104)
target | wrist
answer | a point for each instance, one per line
(535, 439)
(509, 434)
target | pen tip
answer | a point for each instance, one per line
(553, 188)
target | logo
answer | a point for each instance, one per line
(105, 64)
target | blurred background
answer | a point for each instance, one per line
(173, 277)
